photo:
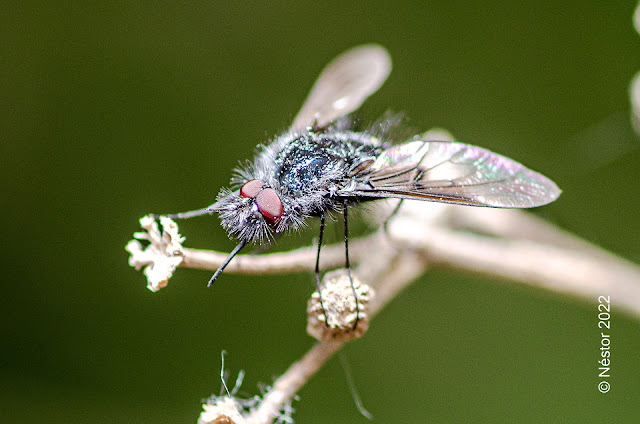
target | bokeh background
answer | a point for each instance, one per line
(113, 110)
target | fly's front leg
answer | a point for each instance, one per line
(324, 311)
(185, 215)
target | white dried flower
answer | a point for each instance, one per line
(340, 308)
(229, 409)
(225, 410)
(163, 254)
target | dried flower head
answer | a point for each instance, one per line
(163, 254)
(225, 410)
(340, 308)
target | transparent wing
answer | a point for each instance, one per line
(453, 172)
(344, 84)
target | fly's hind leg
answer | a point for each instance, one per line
(386, 221)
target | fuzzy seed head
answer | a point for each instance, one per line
(340, 308)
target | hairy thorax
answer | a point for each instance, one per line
(316, 162)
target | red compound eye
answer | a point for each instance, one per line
(270, 205)
(251, 188)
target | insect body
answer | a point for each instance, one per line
(298, 176)
(321, 165)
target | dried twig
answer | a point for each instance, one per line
(528, 250)
(510, 244)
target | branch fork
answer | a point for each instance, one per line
(512, 245)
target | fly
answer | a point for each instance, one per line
(320, 165)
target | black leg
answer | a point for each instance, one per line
(185, 215)
(346, 255)
(324, 311)
(395, 211)
(233, 253)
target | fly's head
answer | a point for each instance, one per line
(254, 212)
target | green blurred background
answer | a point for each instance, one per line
(110, 111)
